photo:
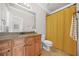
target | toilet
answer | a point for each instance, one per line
(46, 43)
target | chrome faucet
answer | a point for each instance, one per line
(4, 25)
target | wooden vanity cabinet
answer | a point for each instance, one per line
(5, 52)
(29, 46)
(21, 46)
(38, 45)
(18, 47)
(33, 46)
(18, 51)
(5, 48)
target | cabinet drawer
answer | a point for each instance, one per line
(5, 44)
(38, 38)
(18, 41)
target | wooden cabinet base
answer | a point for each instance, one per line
(26, 46)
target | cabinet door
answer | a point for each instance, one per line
(29, 50)
(18, 51)
(38, 46)
(29, 47)
(5, 52)
(5, 48)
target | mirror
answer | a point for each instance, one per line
(16, 18)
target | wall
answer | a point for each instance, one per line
(40, 18)
(0, 18)
(78, 30)
(3, 18)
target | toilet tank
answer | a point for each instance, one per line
(43, 37)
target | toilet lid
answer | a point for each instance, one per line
(48, 42)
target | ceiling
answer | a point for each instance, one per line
(50, 7)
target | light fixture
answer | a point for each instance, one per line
(27, 5)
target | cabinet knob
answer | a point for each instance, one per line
(8, 50)
(24, 45)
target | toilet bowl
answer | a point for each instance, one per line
(46, 43)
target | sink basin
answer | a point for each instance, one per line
(22, 33)
(27, 33)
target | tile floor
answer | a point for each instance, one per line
(54, 52)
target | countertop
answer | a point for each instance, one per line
(11, 36)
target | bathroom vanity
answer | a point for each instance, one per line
(23, 44)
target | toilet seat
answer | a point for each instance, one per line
(47, 42)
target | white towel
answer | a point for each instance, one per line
(73, 30)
